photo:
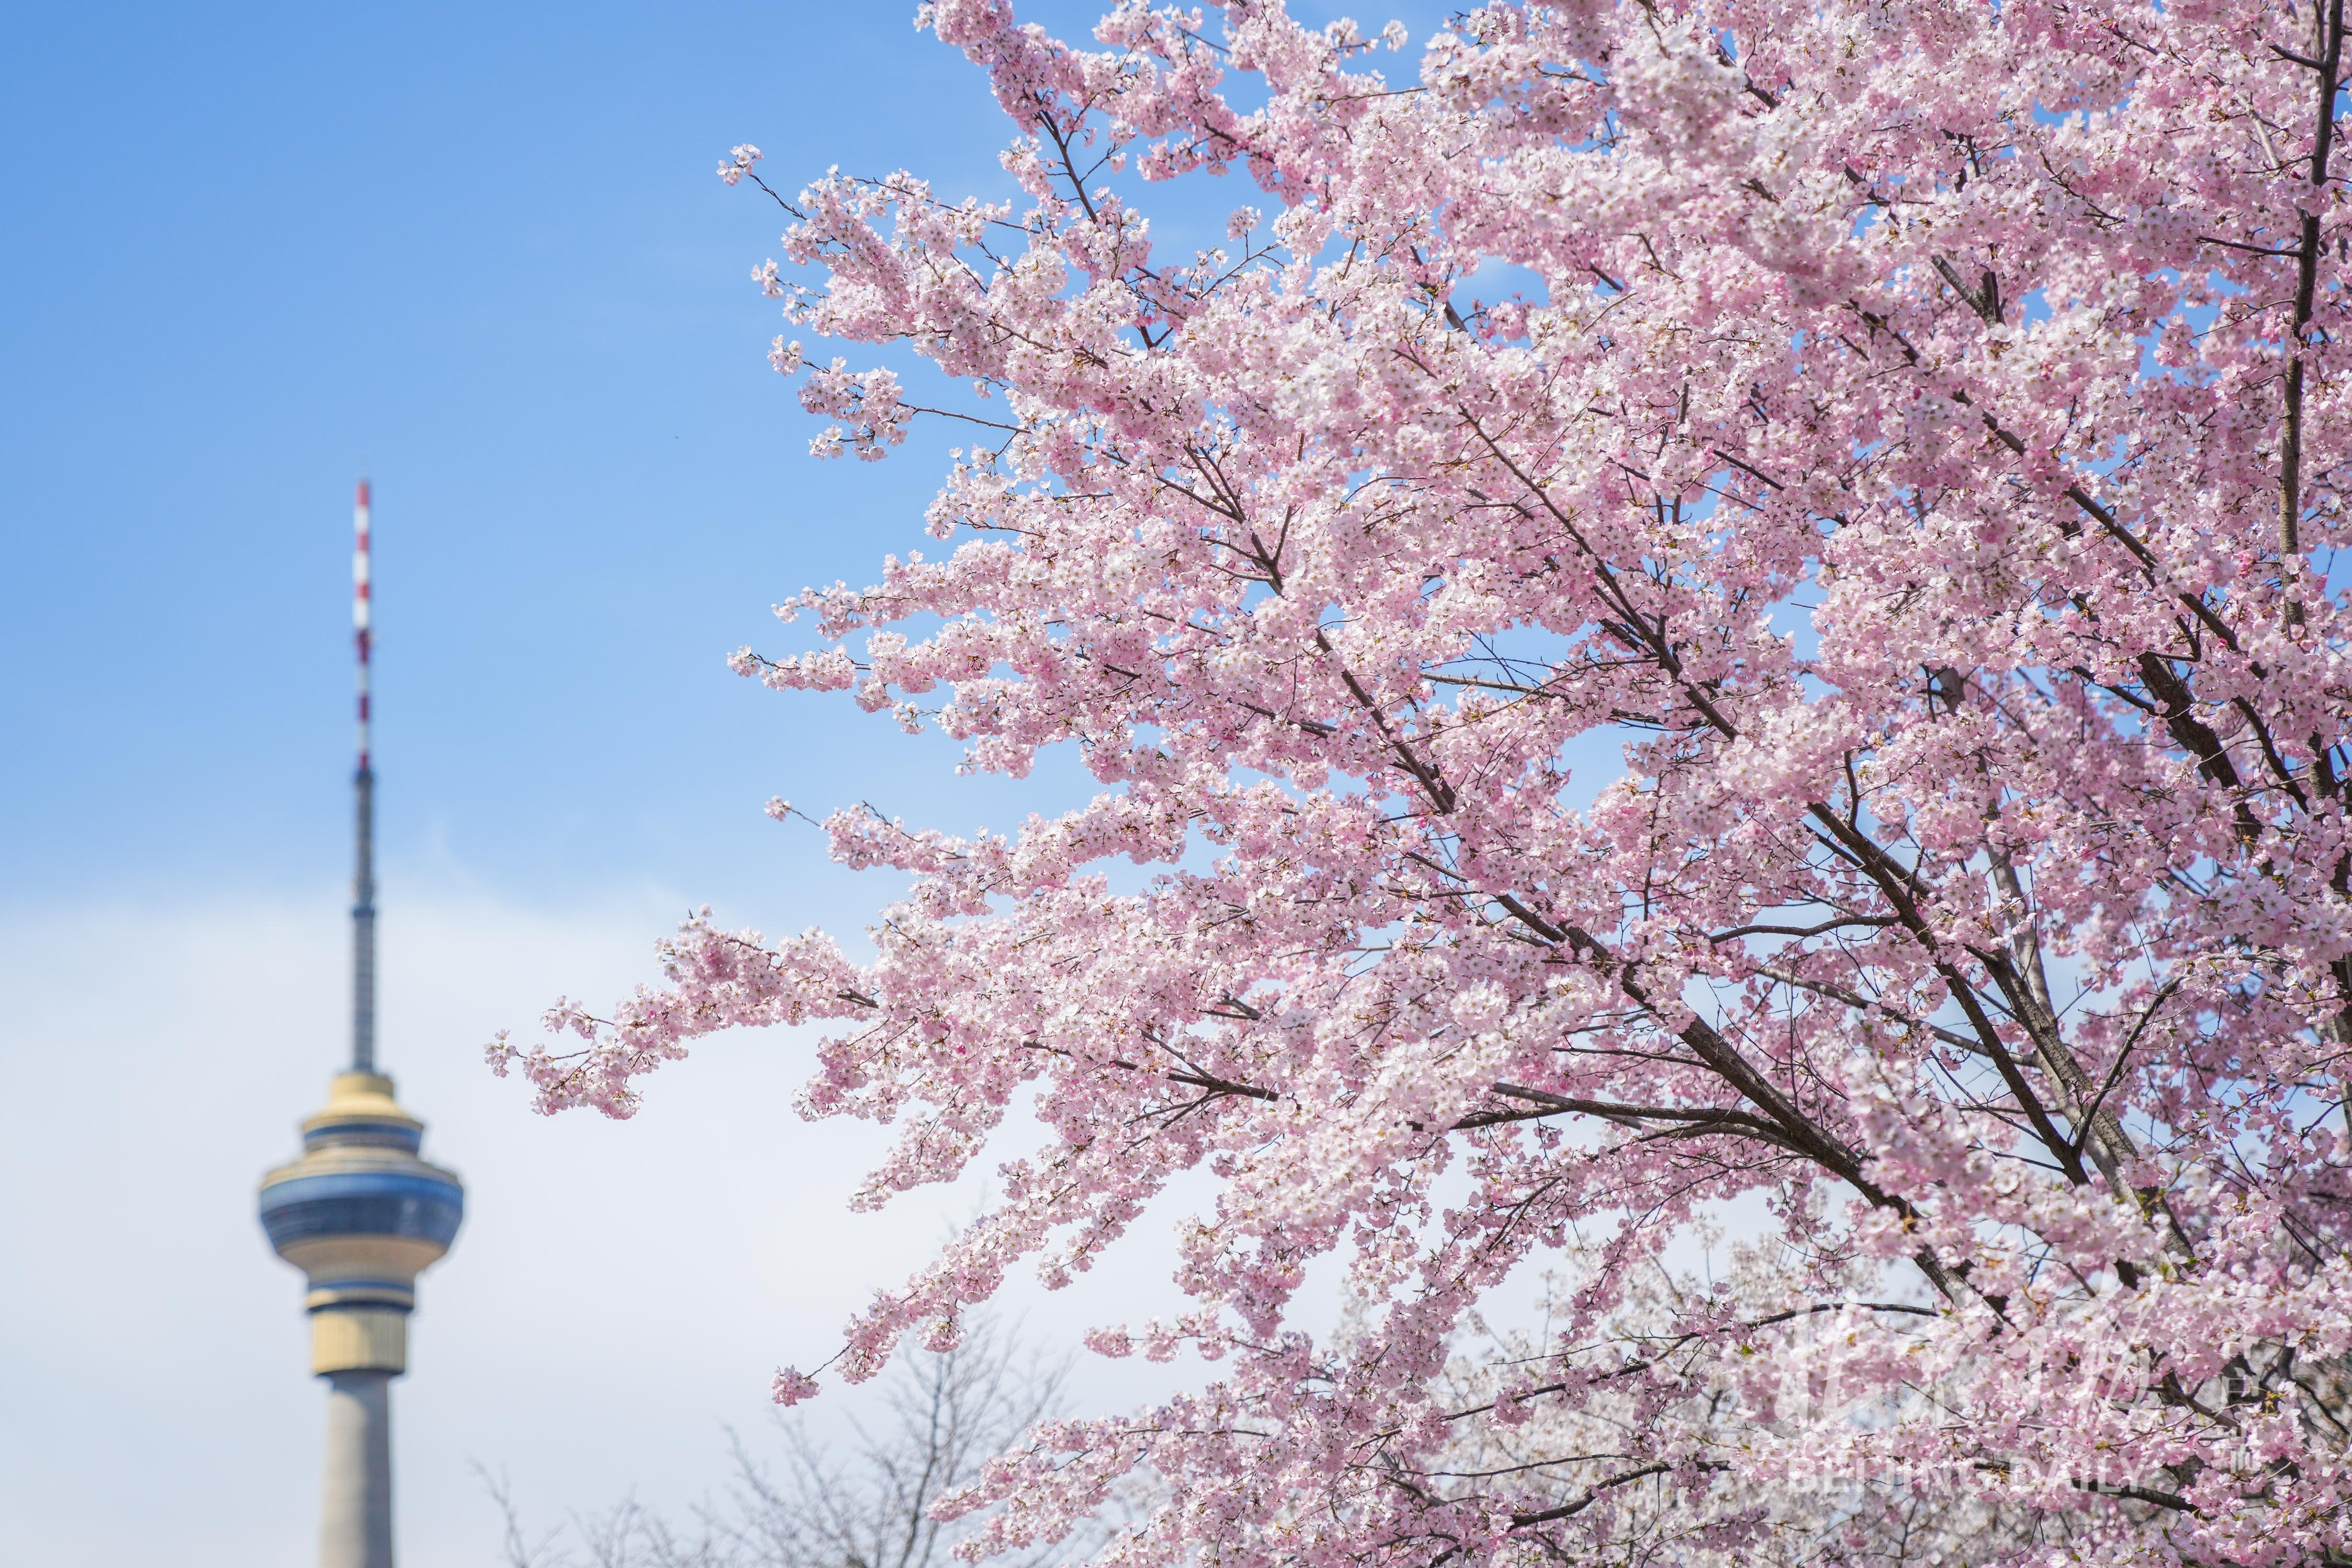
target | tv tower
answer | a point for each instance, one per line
(358, 1213)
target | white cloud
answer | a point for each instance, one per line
(618, 1292)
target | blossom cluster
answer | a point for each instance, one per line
(1912, 434)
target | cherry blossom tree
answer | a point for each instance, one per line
(1911, 433)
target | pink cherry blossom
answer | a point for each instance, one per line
(738, 163)
(1901, 445)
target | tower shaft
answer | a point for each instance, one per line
(355, 1513)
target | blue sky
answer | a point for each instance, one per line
(478, 251)
(482, 255)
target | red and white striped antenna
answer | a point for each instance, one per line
(363, 788)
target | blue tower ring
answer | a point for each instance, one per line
(362, 1202)
(352, 1132)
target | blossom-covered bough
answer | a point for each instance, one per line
(1914, 430)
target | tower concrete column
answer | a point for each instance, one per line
(355, 1521)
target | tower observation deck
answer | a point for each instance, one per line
(360, 1212)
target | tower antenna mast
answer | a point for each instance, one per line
(363, 791)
